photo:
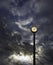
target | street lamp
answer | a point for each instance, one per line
(34, 30)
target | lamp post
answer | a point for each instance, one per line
(34, 30)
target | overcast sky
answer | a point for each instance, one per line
(18, 16)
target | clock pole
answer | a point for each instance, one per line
(34, 30)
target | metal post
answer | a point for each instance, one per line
(34, 30)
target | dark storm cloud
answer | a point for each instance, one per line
(41, 12)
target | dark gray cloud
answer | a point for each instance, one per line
(16, 19)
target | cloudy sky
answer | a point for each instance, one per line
(16, 19)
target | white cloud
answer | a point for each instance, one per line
(23, 28)
(21, 58)
(25, 22)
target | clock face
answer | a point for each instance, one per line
(34, 29)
